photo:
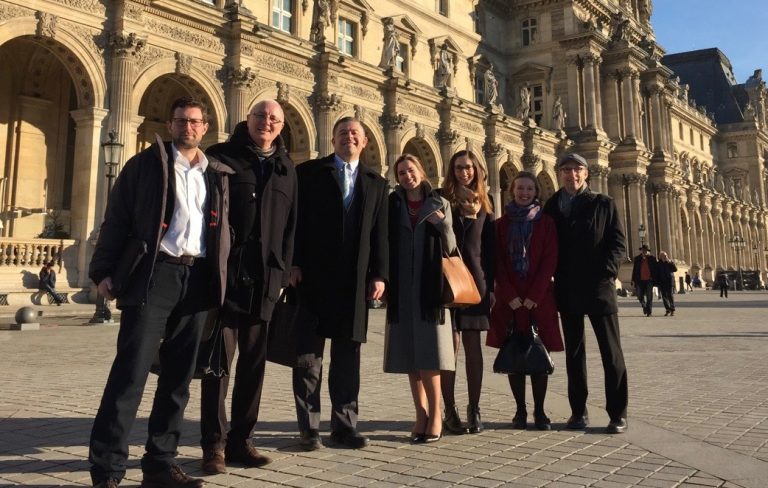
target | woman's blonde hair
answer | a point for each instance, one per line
(477, 184)
(411, 159)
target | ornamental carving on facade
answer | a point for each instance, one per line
(361, 91)
(93, 6)
(323, 103)
(186, 36)
(390, 121)
(183, 64)
(281, 65)
(283, 93)
(95, 41)
(46, 24)
(241, 78)
(134, 11)
(12, 12)
(149, 55)
(492, 150)
(417, 109)
(447, 137)
(126, 44)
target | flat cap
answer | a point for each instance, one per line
(576, 158)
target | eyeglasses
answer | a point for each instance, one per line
(261, 117)
(181, 122)
(572, 169)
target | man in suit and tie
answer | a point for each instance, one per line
(340, 262)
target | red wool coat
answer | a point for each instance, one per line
(542, 260)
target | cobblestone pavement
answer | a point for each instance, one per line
(698, 413)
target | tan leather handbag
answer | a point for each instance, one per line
(459, 288)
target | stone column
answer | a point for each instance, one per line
(628, 101)
(326, 108)
(637, 208)
(394, 126)
(610, 110)
(657, 143)
(664, 217)
(591, 61)
(88, 176)
(598, 93)
(575, 120)
(240, 82)
(492, 151)
(122, 75)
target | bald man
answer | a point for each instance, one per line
(263, 201)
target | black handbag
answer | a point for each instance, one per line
(523, 354)
(211, 354)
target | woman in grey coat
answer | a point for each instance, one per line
(418, 338)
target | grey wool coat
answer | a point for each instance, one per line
(416, 338)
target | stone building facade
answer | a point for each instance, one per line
(518, 81)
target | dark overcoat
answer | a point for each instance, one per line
(653, 267)
(141, 206)
(261, 257)
(591, 245)
(335, 285)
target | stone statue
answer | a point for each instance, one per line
(391, 48)
(645, 9)
(322, 20)
(620, 28)
(719, 183)
(756, 197)
(444, 67)
(524, 109)
(731, 189)
(558, 115)
(491, 87)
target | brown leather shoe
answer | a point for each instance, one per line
(246, 455)
(174, 477)
(213, 461)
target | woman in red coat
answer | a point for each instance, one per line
(526, 257)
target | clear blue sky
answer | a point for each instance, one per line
(739, 28)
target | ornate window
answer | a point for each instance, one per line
(442, 7)
(537, 103)
(479, 88)
(282, 15)
(345, 39)
(529, 31)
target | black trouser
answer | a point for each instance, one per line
(56, 297)
(645, 295)
(343, 386)
(606, 329)
(668, 297)
(251, 341)
(723, 291)
(175, 312)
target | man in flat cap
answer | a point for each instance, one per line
(590, 247)
(644, 270)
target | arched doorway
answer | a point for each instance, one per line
(507, 174)
(156, 103)
(38, 137)
(296, 134)
(546, 185)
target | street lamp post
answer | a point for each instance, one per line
(641, 234)
(112, 151)
(737, 243)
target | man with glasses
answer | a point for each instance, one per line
(263, 218)
(590, 247)
(162, 252)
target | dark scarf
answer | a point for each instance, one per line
(519, 232)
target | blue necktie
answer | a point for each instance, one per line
(346, 184)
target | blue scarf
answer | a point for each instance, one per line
(519, 232)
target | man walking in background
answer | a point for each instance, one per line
(644, 270)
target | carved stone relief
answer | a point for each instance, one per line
(179, 34)
(183, 64)
(281, 65)
(46, 24)
(12, 12)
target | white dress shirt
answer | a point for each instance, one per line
(351, 173)
(186, 232)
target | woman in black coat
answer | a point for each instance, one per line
(666, 270)
(473, 226)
